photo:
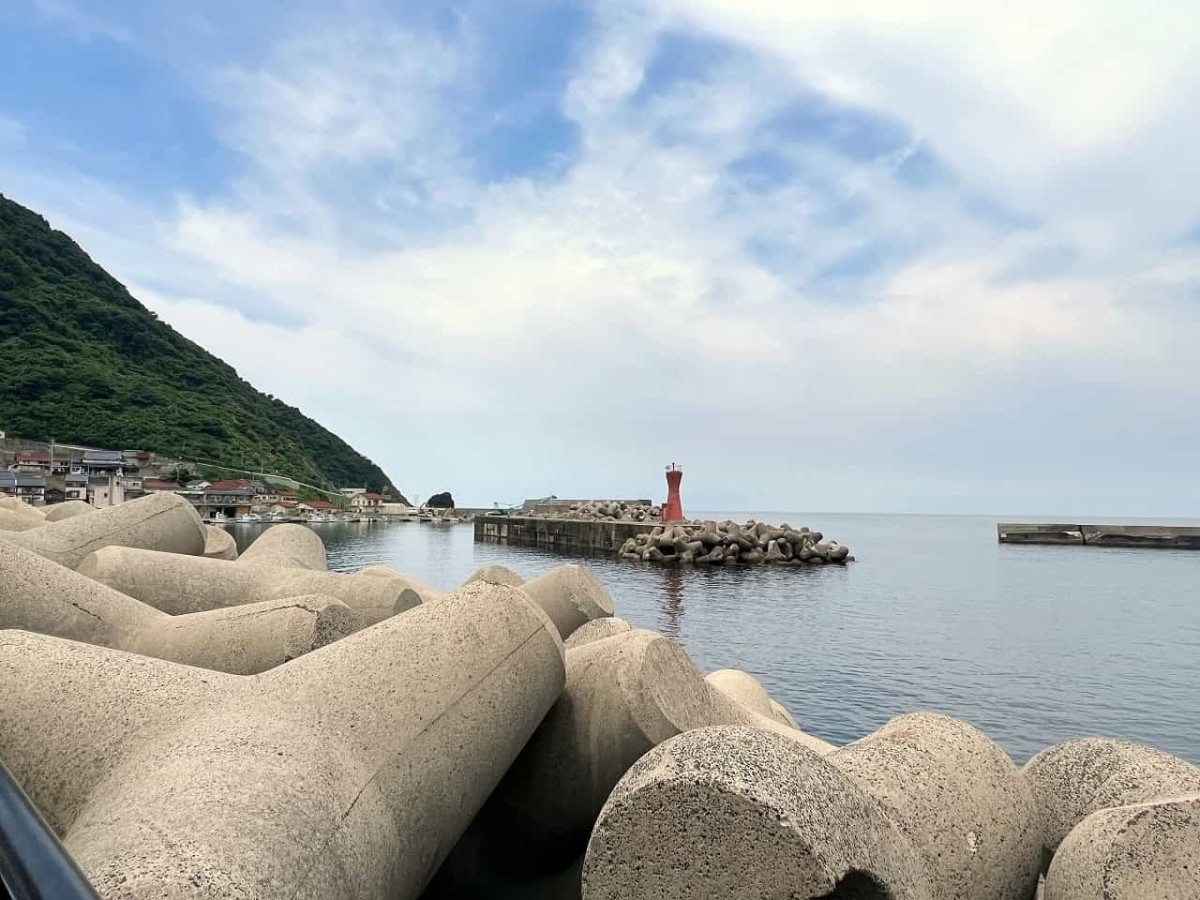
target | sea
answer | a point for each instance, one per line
(1033, 645)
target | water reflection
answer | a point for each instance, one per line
(671, 616)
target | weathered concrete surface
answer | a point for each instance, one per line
(1074, 779)
(425, 591)
(624, 694)
(743, 688)
(39, 595)
(287, 546)
(12, 521)
(219, 544)
(347, 773)
(158, 521)
(1146, 851)
(564, 535)
(68, 510)
(1165, 537)
(782, 715)
(958, 798)
(596, 630)
(736, 812)
(187, 584)
(571, 596)
(496, 575)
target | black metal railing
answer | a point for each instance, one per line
(34, 865)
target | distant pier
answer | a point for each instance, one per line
(1161, 537)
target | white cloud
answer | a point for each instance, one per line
(612, 315)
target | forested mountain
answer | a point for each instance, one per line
(83, 362)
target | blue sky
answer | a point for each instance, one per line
(864, 258)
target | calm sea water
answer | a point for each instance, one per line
(1031, 644)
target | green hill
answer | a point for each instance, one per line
(84, 362)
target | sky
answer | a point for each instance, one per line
(867, 256)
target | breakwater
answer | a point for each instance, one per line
(1163, 537)
(586, 758)
(693, 543)
(562, 535)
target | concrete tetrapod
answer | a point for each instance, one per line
(736, 812)
(570, 595)
(42, 596)
(158, 521)
(747, 690)
(68, 510)
(1145, 851)
(13, 521)
(185, 584)
(287, 546)
(958, 798)
(496, 575)
(346, 773)
(624, 694)
(426, 592)
(1074, 779)
(219, 543)
(596, 630)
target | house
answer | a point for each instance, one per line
(366, 502)
(29, 488)
(105, 491)
(229, 499)
(103, 462)
(75, 486)
(41, 462)
(158, 485)
(316, 506)
(264, 494)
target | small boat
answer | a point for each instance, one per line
(219, 518)
(248, 519)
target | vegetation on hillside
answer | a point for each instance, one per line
(83, 362)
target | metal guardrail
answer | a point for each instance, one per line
(34, 865)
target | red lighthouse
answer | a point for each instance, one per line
(673, 508)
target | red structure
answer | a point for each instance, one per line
(673, 509)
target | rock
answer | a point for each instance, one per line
(751, 557)
(496, 575)
(735, 812)
(773, 554)
(571, 595)
(179, 584)
(423, 591)
(444, 500)
(41, 596)
(347, 773)
(219, 544)
(68, 510)
(287, 546)
(1074, 779)
(164, 522)
(1136, 852)
(960, 800)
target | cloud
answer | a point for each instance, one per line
(824, 253)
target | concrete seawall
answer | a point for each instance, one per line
(562, 535)
(1163, 537)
